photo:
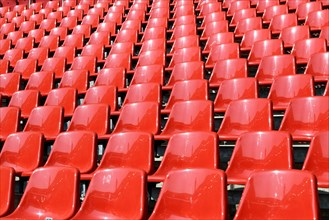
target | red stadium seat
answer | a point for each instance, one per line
(64, 97)
(9, 119)
(9, 83)
(247, 24)
(304, 49)
(305, 8)
(146, 92)
(279, 22)
(290, 35)
(317, 66)
(222, 52)
(264, 48)
(102, 95)
(25, 100)
(7, 176)
(111, 77)
(42, 81)
(250, 37)
(317, 19)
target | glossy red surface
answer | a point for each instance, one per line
(280, 194)
(257, 116)
(146, 92)
(222, 52)
(77, 79)
(54, 65)
(44, 194)
(218, 38)
(9, 120)
(258, 151)
(317, 159)
(25, 100)
(304, 49)
(204, 199)
(190, 54)
(111, 77)
(272, 11)
(242, 14)
(264, 48)
(214, 27)
(290, 35)
(246, 25)
(306, 116)
(251, 36)
(317, 66)
(317, 19)
(7, 176)
(118, 193)
(305, 8)
(65, 97)
(148, 74)
(279, 22)
(9, 83)
(25, 67)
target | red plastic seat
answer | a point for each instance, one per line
(317, 66)
(146, 92)
(27, 13)
(264, 4)
(25, 67)
(257, 116)
(27, 26)
(56, 65)
(38, 54)
(9, 120)
(96, 11)
(183, 30)
(153, 57)
(87, 63)
(222, 52)
(58, 15)
(81, 154)
(91, 117)
(259, 151)
(77, 79)
(109, 27)
(60, 181)
(317, 19)
(6, 28)
(64, 97)
(13, 56)
(7, 176)
(78, 12)
(37, 18)
(46, 119)
(242, 14)
(185, 42)
(301, 127)
(190, 54)
(273, 66)
(152, 45)
(264, 48)
(214, 28)
(125, 187)
(206, 197)
(250, 37)
(293, 4)
(184, 20)
(209, 8)
(305, 8)
(52, 4)
(215, 16)
(37, 34)
(129, 150)
(9, 83)
(304, 49)
(67, 52)
(187, 151)
(272, 11)
(285, 194)
(74, 40)
(118, 61)
(51, 42)
(48, 24)
(131, 25)
(36, 6)
(279, 22)
(219, 38)
(25, 100)
(102, 94)
(4, 64)
(187, 90)
(228, 69)
(14, 36)
(317, 158)
(187, 116)
(118, 48)
(127, 35)
(23, 151)
(84, 29)
(113, 17)
(42, 81)
(61, 32)
(284, 88)
(237, 5)
(290, 35)
(235, 89)
(247, 24)
(5, 44)
(69, 22)
(148, 74)
(156, 22)
(111, 77)
(91, 19)
(141, 116)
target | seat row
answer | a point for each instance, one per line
(111, 191)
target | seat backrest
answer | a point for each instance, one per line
(304, 49)
(43, 195)
(146, 92)
(290, 35)
(257, 151)
(285, 194)
(306, 116)
(123, 194)
(102, 94)
(9, 120)
(148, 74)
(317, 66)
(111, 77)
(26, 100)
(65, 97)
(80, 154)
(264, 48)
(77, 79)
(317, 158)
(186, 71)
(42, 81)
(257, 116)
(7, 176)
(222, 52)
(206, 196)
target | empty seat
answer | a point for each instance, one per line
(325, 34)
(317, 19)
(273, 66)
(125, 187)
(237, 5)
(153, 44)
(25, 100)
(102, 94)
(111, 77)
(127, 149)
(272, 11)
(25, 67)
(77, 79)
(56, 65)
(215, 16)
(279, 22)
(304, 49)
(43, 196)
(7, 176)
(306, 116)
(186, 151)
(118, 48)
(61, 32)
(284, 88)
(228, 69)
(257, 116)
(185, 42)
(69, 22)
(288, 194)
(153, 57)
(250, 37)
(13, 56)
(305, 8)
(219, 38)
(141, 116)
(65, 97)
(242, 14)
(48, 24)
(51, 42)
(187, 116)
(42, 81)
(23, 151)
(91, 117)
(234, 89)
(317, 158)
(9, 120)
(214, 28)
(37, 34)
(187, 90)
(148, 74)
(94, 50)
(27, 26)
(146, 92)
(122, 60)
(259, 151)
(4, 64)
(9, 83)
(46, 119)
(293, 4)
(183, 30)
(99, 38)
(205, 199)
(67, 52)
(14, 36)
(127, 35)
(5, 44)
(38, 54)
(190, 54)
(264, 48)
(317, 66)
(81, 154)
(222, 52)
(247, 24)
(264, 4)
(292, 34)
(74, 40)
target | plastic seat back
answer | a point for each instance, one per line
(222, 52)
(257, 116)
(43, 196)
(292, 34)
(65, 97)
(305, 8)
(258, 151)
(190, 54)
(9, 120)
(264, 48)
(7, 176)
(41, 81)
(317, 19)
(317, 158)
(306, 116)
(148, 74)
(9, 83)
(186, 151)
(279, 22)
(242, 14)
(102, 94)
(77, 79)
(207, 194)
(186, 71)
(288, 194)
(251, 36)
(25, 100)
(81, 154)
(111, 77)
(125, 187)
(219, 38)
(146, 92)
(304, 49)
(247, 24)
(317, 66)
